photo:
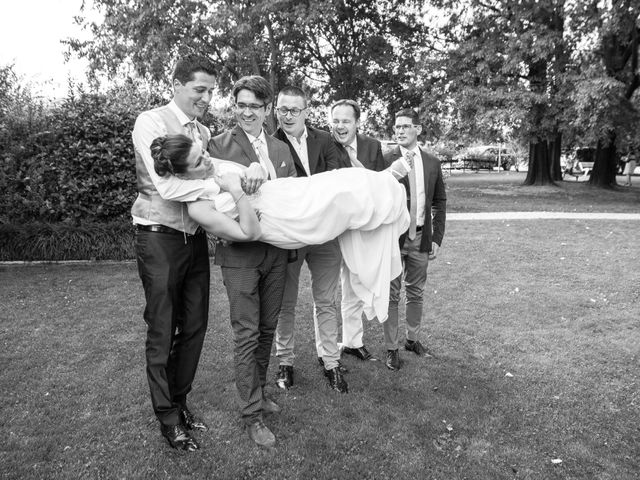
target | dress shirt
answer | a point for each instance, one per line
(147, 128)
(300, 147)
(419, 172)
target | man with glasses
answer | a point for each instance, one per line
(427, 202)
(313, 152)
(356, 150)
(253, 272)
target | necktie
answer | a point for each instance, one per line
(194, 133)
(263, 155)
(413, 196)
(353, 157)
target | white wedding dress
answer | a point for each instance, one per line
(366, 210)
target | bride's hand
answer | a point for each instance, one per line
(228, 181)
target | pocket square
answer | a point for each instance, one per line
(283, 164)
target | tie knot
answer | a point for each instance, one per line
(409, 156)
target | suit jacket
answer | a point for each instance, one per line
(369, 153)
(435, 211)
(321, 150)
(234, 145)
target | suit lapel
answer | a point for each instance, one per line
(240, 137)
(280, 135)
(313, 150)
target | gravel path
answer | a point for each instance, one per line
(542, 215)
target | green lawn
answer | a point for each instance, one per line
(534, 324)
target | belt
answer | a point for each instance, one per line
(165, 229)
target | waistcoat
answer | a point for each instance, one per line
(149, 204)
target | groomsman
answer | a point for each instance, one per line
(427, 203)
(356, 150)
(253, 272)
(313, 152)
(172, 253)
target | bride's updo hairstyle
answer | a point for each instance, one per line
(170, 154)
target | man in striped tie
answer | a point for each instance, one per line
(427, 207)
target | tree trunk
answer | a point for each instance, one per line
(555, 148)
(604, 167)
(539, 164)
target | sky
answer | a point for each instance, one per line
(30, 34)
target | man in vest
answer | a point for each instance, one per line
(172, 253)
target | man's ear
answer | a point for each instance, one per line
(267, 109)
(419, 129)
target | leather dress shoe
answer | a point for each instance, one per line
(361, 352)
(179, 438)
(261, 435)
(342, 368)
(393, 360)
(336, 382)
(190, 422)
(269, 406)
(417, 348)
(284, 377)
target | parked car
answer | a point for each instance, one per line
(486, 156)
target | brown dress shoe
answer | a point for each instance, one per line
(261, 435)
(269, 406)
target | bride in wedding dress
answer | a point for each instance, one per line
(365, 210)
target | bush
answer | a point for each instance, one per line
(54, 242)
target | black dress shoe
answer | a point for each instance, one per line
(179, 438)
(336, 382)
(284, 377)
(342, 368)
(393, 360)
(417, 348)
(361, 352)
(190, 422)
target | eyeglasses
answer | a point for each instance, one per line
(295, 112)
(400, 128)
(254, 107)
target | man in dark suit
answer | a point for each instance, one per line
(427, 201)
(253, 272)
(354, 150)
(313, 152)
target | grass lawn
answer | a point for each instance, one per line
(534, 324)
(503, 191)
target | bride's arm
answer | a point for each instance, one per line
(247, 228)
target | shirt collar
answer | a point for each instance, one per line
(353, 144)
(415, 150)
(260, 136)
(303, 137)
(182, 117)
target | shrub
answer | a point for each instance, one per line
(54, 242)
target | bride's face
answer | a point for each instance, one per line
(198, 164)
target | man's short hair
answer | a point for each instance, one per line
(186, 67)
(348, 103)
(260, 87)
(294, 91)
(409, 113)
